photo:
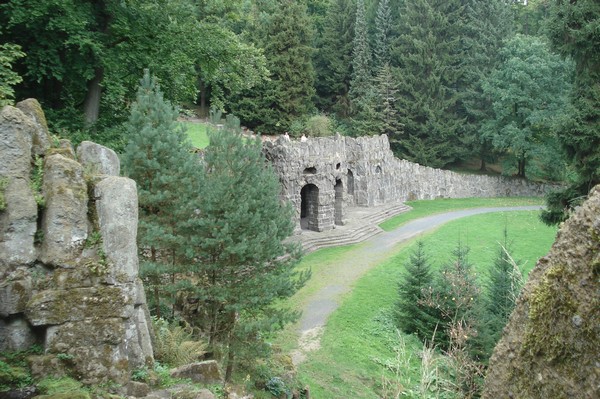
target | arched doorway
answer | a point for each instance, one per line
(309, 207)
(350, 187)
(339, 202)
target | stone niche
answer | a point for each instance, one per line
(68, 257)
(323, 176)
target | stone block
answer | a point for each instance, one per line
(41, 140)
(16, 334)
(14, 295)
(206, 372)
(16, 132)
(90, 332)
(18, 223)
(61, 306)
(97, 159)
(117, 209)
(64, 220)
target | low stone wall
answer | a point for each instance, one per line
(68, 255)
(343, 171)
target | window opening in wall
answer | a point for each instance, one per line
(338, 165)
(378, 169)
(350, 182)
(310, 171)
(339, 202)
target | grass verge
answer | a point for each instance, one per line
(423, 208)
(360, 337)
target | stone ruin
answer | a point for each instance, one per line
(322, 177)
(68, 256)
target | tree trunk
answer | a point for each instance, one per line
(202, 97)
(156, 290)
(483, 165)
(521, 172)
(91, 105)
(230, 353)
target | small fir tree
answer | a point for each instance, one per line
(243, 264)
(159, 158)
(413, 315)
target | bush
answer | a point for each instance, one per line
(319, 126)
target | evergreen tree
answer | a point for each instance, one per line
(242, 264)
(528, 91)
(430, 59)
(333, 61)
(360, 85)
(383, 26)
(159, 158)
(573, 31)
(386, 99)
(272, 106)
(413, 315)
(488, 23)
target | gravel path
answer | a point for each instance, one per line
(371, 253)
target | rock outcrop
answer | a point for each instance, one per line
(550, 347)
(68, 255)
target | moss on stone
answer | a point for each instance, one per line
(3, 185)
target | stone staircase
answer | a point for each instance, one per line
(362, 224)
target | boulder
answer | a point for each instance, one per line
(98, 159)
(137, 389)
(206, 372)
(64, 220)
(16, 132)
(41, 136)
(14, 295)
(117, 211)
(549, 348)
(137, 334)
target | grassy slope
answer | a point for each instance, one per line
(358, 333)
(428, 207)
(197, 134)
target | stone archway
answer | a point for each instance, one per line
(339, 202)
(350, 187)
(309, 207)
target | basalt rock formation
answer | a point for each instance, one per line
(551, 345)
(68, 257)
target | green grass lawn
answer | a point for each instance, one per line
(359, 337)
(197, 134)
(423, 208)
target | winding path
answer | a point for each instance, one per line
(372, 252)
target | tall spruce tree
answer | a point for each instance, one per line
(430, 57)
(383, 26)
(168, 176)
(242, 263)
(387, 92)
(288, 95)
(333, 61)
(360, 85)
(573, 31)
(413, 315)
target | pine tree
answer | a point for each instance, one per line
(413, 316)
(362, 77)
(387, 92)
(288, 95)
(168, 176)
(430, 60)
(333, 62)
(242, 264)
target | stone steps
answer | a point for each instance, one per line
(362, 225)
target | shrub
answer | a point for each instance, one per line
(319, 126)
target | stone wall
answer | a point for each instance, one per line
(343, 171)
(68, 256)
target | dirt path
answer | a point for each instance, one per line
(371, 253)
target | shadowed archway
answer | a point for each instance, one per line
(309, 207)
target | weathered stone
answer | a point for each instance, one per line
(41, 137)
(15, 334)
(549, 348)
(64, 220)
(61, 306)
(137, 335)
(16, 132)
(137, 389)
(43, 366)
(66, 395)
(14, 295)
(117, 209)
(206, 372)
(20, 393)
(18, 223)
(97, 159)
(61, 338)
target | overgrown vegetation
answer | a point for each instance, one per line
(3, 185)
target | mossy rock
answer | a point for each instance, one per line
(66, 395)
